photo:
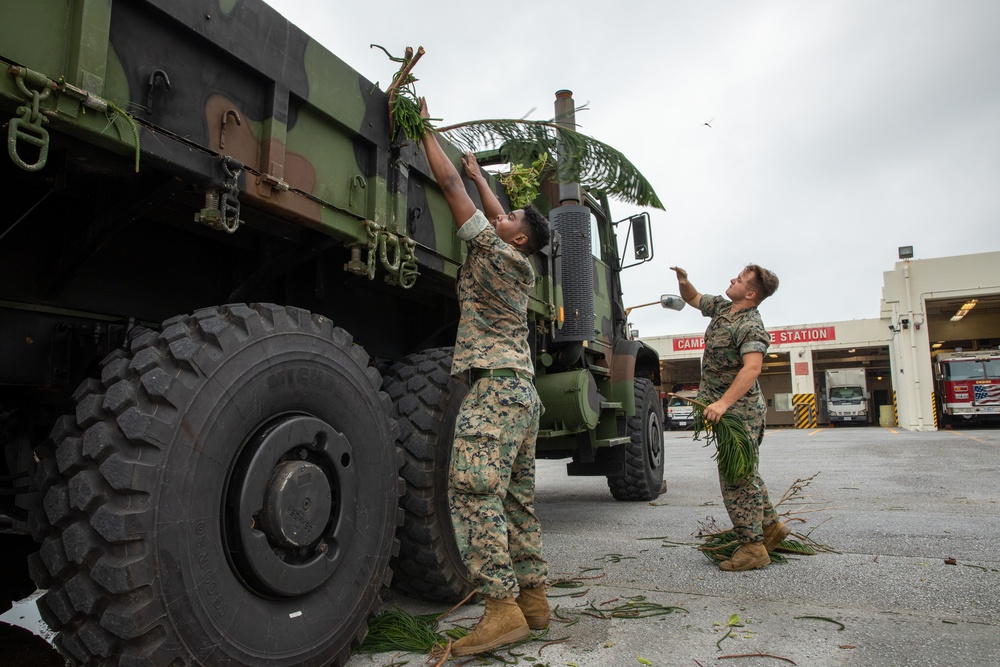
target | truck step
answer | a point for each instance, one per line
(612, 442)
(611, 405)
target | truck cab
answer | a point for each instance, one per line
(680, 412)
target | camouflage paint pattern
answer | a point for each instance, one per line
(311, 131)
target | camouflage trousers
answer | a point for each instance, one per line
(747, 502)
(492, 486)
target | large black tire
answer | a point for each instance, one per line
(426, 399)
(227, 494)
(644, 456)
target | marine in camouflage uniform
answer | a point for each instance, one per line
(730, 336)
(492, 477)
(492, 481)
(735, 343)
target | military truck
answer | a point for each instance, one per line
(227, 300)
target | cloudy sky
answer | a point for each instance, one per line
(840, 130)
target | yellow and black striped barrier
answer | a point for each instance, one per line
(934, 408)
(895, 410)
(805, 410)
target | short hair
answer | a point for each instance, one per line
(764, 282)
(536, 227)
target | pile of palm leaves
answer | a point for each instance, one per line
(721, 546)
(396, 630)
(720, 543)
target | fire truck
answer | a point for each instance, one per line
(967, 384)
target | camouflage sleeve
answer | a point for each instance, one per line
(473, 226)
(710, 304)
(751, 335)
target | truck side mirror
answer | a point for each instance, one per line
(671, 301)
(641, 236)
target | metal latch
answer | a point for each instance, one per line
(222, 207)
(28, 127)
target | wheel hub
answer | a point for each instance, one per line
(291, 506)
(654, 439)
(296, 504)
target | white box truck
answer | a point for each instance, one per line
(847, 396)
(680, 413)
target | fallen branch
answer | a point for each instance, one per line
(447, 654)
(755, 655)
(554, 641)
(464, 600)
(823, 618)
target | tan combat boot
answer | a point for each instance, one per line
(535, 607)
(749, 556)
(502, 623)
(775, 534)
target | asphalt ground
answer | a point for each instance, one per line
(912, 578)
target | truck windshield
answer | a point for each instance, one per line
(993, 369)
(962, 370)
(846, 393)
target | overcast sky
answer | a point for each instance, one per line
(840, 130)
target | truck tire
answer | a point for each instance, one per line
(643, 477)
(426, 399)
(227, 494)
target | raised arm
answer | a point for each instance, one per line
(688, 292)
(452, 187)
(491, 205)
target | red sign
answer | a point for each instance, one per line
(810, 335)
(784, 337)
(801, 368)
(690, 343)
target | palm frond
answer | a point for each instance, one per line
(735, 449)
(580, 158)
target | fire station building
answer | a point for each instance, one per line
(929, 307)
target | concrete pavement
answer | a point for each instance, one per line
(895, 506)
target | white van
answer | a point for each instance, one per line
(680, 413)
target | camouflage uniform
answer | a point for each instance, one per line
(492, 480)
(729, 336)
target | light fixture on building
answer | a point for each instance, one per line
(879, 378)
(937, 344)
(773, 356)
(905, 251)
(851, 351)
(964, 310)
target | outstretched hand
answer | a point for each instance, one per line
(471, 165)
(681, 273)
(423, 108)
